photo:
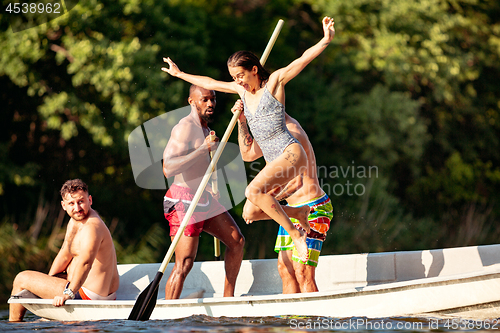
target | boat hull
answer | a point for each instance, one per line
(365, 298)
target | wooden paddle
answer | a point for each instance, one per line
(215, 189)
(146, 302)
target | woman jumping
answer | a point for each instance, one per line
(263, 96)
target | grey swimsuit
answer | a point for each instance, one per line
(268, 126)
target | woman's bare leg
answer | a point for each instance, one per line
(276, 173)
(253, 213)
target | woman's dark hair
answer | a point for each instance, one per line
(247, 60)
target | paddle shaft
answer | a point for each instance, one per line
(271, 42)
(215, 189)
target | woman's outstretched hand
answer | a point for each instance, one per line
(172, 67)
(328, 28)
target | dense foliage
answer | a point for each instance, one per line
(402, 110)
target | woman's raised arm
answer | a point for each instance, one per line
(284, 75)
(201, 81)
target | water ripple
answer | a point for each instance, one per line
(201, 323)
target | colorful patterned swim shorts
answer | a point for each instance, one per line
(319, 220)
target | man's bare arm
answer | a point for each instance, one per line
(90, 241)
(179, 155)
(62, 259)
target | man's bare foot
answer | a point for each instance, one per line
(301, 246)
(302, 217)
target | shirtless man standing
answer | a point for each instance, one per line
(85, 267)
(187, 156)
(306, 200)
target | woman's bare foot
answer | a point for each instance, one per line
(245, 218)
(301, 246)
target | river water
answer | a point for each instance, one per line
(264, 324)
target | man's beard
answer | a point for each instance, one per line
(205, 117)
(81, 217)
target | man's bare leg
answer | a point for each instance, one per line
(185, 253)
(296, 277)
(227, 231)
(287, 273)
(306, 278)
(38, 283)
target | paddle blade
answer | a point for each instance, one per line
(146, 302)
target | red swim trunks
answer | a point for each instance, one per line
(176, 202)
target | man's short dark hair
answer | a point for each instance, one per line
(194, 87)
(73, 185)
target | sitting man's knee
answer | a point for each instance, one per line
(21, 279)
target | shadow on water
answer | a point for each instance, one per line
(202, 323)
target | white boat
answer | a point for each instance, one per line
(459, 281)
